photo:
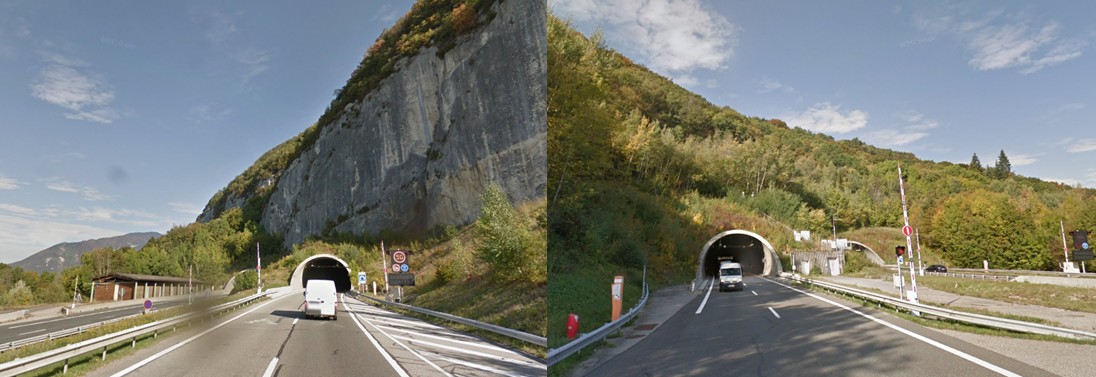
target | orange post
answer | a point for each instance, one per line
(618, 293)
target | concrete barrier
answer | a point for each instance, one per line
(1055, 280)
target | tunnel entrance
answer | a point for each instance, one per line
(749, 249)
(322, 267)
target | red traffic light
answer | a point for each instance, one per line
(899, 250)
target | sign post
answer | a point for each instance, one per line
(618, 293)
(908, 231)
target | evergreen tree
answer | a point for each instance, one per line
(1003, 168)
(975, 163)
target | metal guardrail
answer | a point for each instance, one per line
(973, 276)
(519, 335)
(1027, 272)
(60, 334)
(558, 354)
(971, 318)
(64, 354)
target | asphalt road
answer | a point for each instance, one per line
(773, 330)
(27, 329)
(274, 339)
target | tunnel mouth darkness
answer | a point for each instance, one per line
(322, 267)
(749, 249)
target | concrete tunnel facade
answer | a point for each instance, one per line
(322, 267)
(750, 249)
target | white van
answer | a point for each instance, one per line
(320, 299)
(730, 276)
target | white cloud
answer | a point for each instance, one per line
(768, 85)
(1079, 145)
(1071, 106)
(89, 193)
(998, 41)
(1022, 159)
(207, 112)
(893, 137)
(17, 209)
(62, 186)
(187, 208)
(223, 35)
(9, 183)
(918, 122)
(672, 37)
(22, 236)
(86, 97)
(219, 26)
(118, 216)
(828, 118)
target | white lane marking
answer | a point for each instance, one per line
(32, 332)
(448, 339)
(188, 340)
(702, 303)
(461, 350)
(474, 365)
(412, 324)
(755, 293)
(774, 312)
(953, 351)
(393, 340)
(377, 345)
(270, 368)
(71, 317)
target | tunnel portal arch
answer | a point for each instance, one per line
(325, 267)
(750, 249)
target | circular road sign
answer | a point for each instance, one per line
(361, 277)
(399, 256)
(404, 268)
(395, 267)
(148, 304)
(907, 230)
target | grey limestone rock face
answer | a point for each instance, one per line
(419, 150)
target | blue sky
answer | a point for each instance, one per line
(943, 80)
(120, 117)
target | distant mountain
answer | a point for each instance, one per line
(58, 257)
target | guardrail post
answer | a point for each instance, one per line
(133, 344)
(65, 369)
(104, 353)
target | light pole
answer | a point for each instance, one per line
(834, 219)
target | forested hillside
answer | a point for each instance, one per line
(641, 171)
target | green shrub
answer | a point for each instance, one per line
(244, 281)
(511, 244)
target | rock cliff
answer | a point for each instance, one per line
(419, 150)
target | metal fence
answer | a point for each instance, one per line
(970, 318)
(66, 353)
(519, 335)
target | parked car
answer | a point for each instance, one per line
(936, 268)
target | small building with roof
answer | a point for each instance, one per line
(121, 286)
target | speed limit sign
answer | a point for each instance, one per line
(399, 256)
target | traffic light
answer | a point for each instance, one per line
(1080, 240)
(899, 250)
